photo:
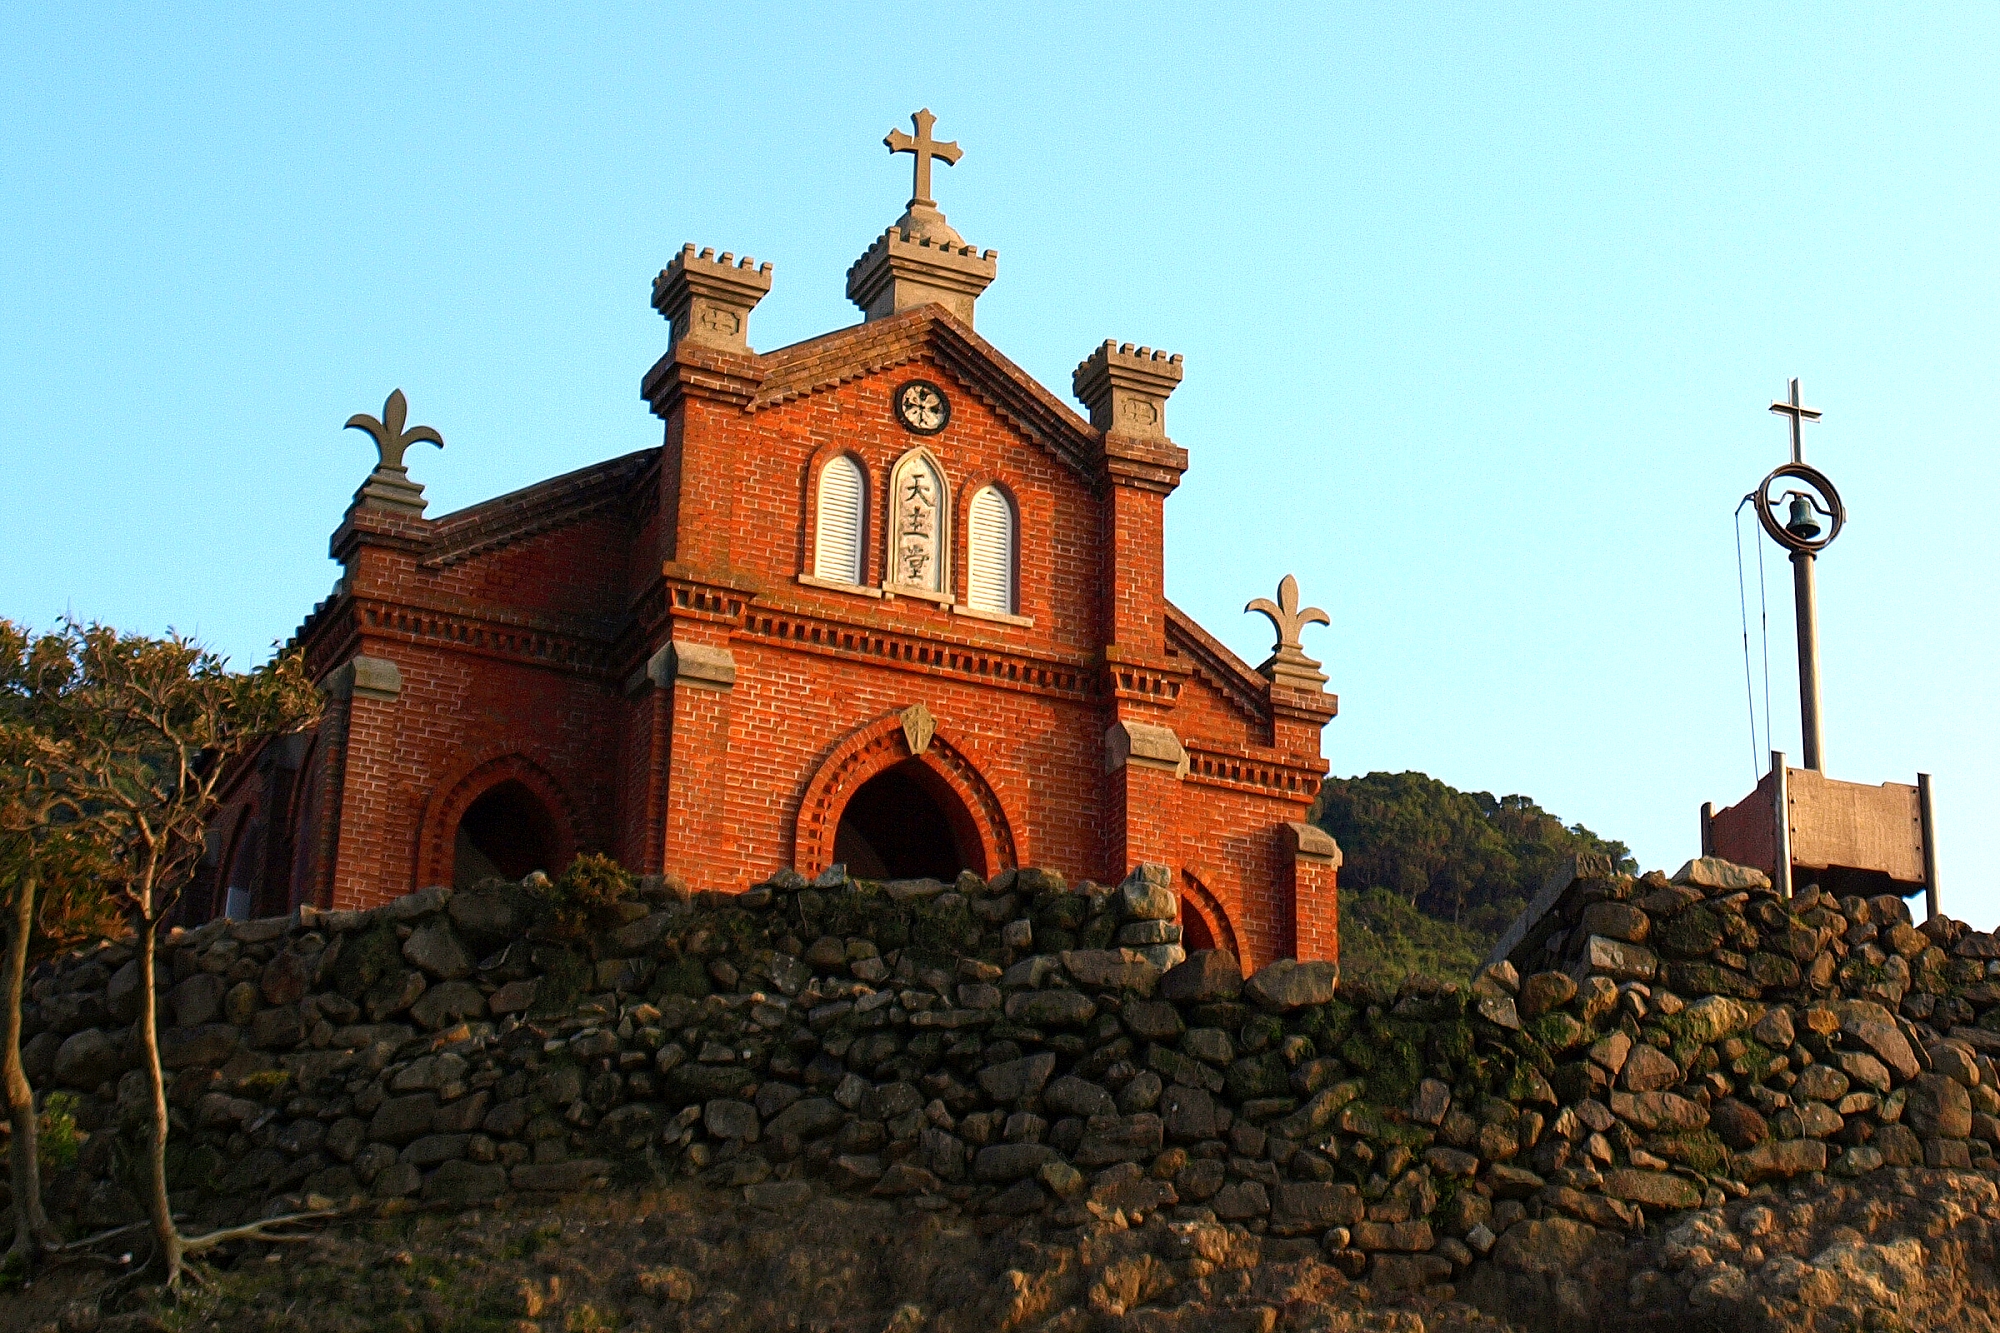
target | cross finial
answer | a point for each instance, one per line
(925, 148)
(1799, 415)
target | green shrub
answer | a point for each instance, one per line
(584, 897)
(57, 1139)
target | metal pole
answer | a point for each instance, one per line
(1805, 593)
(1781, 832)
(1929, 824)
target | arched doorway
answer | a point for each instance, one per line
(506, 833)
(907, 823)
(1195, 934)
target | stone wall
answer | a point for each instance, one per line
(1021, 1048)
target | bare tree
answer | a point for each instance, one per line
(149, 730)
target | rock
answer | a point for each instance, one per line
(1187, 1115)
(121, 994)
(1002, 1162)
(1938, 1107)
(460, 1182)
(1738, 1124)
(1499, 978)
(1127, 1188)
(1152, 1020)
(638, 936)
(1898, 1146)
(274, 1028)
(1545, 991)
(197, 1000)
(1240, 1202)
(1822, 1083)
(209, 1044)
(513, 998)
(403, 1119)
(1145, 934)
(1781, 1159)
(398, 1179)
(1618, 960)
(812, 1118)
(1618, 921)
(1611, 1053)
(88, 1058)
(725, 1118)
(1553, 1246)
(1300, 1209)
(1013, 1080)
(1208, 975)
(1775, 1029)
(1147, 895)
(1500, 1010)
(1713, 873)
(1648, 1070)
(1874, 1027)
(1110, 969)
(561, 1177)
(433, 1149)
(422, 903)
(905, 1178)
(434, 948)
(1655, 1189)
(1954, 1061)
(1289, 984)
(1433, 1098)
(1108, 1139)
(1070, 1095)
(240, 1003)
(1714, 1018)
(1406, 1237)
(286, 978)
(1051, 1008)
(396, 990)
(1863, 1068)
(345, 1137)
(1658, 1112)
(492, 917)
(1408, 1272)
(448, 1002)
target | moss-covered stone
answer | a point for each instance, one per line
(365, 959)
(1695, 933)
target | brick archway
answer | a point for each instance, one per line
(451, 798)
(1195, 898)
(880, 745)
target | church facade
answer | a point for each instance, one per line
(879, 598)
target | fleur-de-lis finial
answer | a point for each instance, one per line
(391, 439)
(1285, 615)
(1288, 664)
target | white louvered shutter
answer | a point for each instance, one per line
(837, 545)
(990, 552)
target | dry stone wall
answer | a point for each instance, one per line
(1021, 1048)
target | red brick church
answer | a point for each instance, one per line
(878, 598)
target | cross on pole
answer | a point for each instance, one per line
(1799, 415)
(925, 148)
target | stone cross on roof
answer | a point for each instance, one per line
(924, 148)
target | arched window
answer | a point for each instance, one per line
(837, 545)
(991, 551)
(919, 514)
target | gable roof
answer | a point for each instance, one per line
(535, 509)
(1245, 690)
(848, 354)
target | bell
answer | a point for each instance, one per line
(1804, 524)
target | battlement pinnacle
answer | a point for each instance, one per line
(1126, 388)
(707, 298)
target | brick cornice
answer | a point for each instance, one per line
(1242, 688)
(690, 370)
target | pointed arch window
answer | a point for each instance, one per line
(992, 551)
(919, 519)
(842, 521)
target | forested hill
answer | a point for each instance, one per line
(1432, 874)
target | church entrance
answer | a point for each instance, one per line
(906, 823)
(504, 834)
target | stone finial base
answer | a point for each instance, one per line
(391, 488)
(914, 264)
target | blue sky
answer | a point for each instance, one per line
(1481, 314)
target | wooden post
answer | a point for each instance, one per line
(1931, 907)
(1781, 811)
(1708, 828)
